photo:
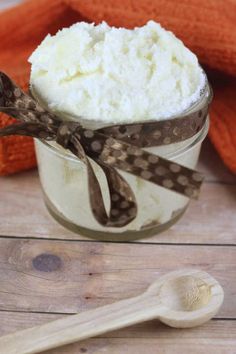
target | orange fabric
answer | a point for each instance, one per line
(207, 27)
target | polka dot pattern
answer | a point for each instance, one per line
(175, 168)
(152, 168)
(113, 147)
(161, 132)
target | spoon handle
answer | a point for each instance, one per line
(85, 325)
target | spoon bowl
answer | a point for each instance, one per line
(188, 297)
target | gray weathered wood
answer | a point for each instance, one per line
(152, 337)
(211, 219)
(67, 277)
(92, 274)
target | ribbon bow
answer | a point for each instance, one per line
(117, 146)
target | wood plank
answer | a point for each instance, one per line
(210, 220)
(115, 264)
(82, 275)
(212, 166)
(214, 337)
(171, 344)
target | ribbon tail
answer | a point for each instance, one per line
(14, 129)
(11, 94)
(94, 189)
(27, 129)
(16, 103)
(19, 114)
(123, 207)
(129, 158)
(152, 168)
(95, 196)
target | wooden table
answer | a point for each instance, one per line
(47, 272)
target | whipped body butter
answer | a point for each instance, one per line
(102, 76)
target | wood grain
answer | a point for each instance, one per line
(212, 166)
(23, 214)
(150, 337)
(88, 274)
(186, 291)
(91, 274)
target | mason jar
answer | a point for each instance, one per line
(65, 186)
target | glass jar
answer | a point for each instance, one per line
(65, 187)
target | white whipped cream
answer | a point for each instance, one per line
(115, 75)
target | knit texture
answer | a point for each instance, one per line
(208, 28)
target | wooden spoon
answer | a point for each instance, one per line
(181, 299)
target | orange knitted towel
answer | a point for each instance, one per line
(208, 28)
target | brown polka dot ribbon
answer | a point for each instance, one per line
(118, 146)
